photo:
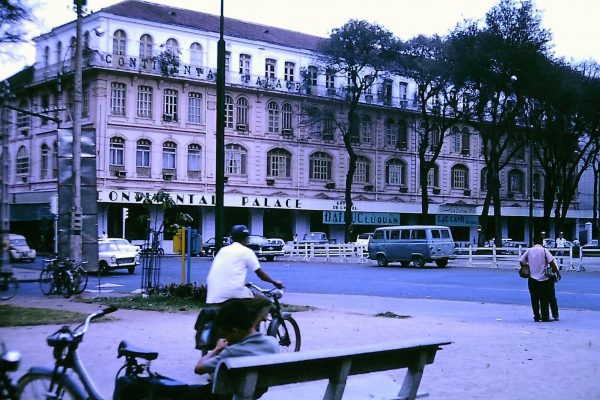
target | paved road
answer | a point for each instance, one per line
(578, 290)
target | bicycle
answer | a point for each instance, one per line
(63, 277)
(281, 325)
(8, 285)
(134, 380)
(9, 362)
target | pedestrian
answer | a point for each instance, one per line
(561, 243)
(541, 287)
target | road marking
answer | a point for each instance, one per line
(109, 285)
(99, 290)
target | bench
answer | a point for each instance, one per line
(241, 377)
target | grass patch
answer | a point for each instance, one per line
(389, 314)
(166, 303)
(25, 316)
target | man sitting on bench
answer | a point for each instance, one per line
(236, 322)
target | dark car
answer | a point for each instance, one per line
(208, 248)
(263, 248)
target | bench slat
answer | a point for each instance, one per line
(286, 368)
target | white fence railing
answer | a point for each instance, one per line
(342, 251)
(497, 257)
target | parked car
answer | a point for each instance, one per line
(123, 244)
(111, 257)
(19, 250)
(208, 248)
(263, 248)
(277, 241)
(315, 237)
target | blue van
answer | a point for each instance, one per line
(418, 244)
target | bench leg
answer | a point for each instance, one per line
(246, 387)
(337, 381)
(412, 380)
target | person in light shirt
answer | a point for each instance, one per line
(228, 272)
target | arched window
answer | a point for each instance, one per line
(460, 177)
(515, 181)
(363, 170)
(44, 161)
(169, 155)
(228, 112)
(142, 153)
(146, 46)
(433, 177)
(328, 125)
(241, 111)
(55, 160)
(23, 119)
(402, 136)
(172, 46)
(435, 136)
(395, 172)
(117, 151)
(194, 160)
(71, 49)
(22, 161)
(273, 111)
(119, 42)
(46, 56)
(196, 54)
(391, 136)
(366, 129)
(537, 186)
(235, 159)
(279, 163)
(320, 166)
(58, 52)
(286, 116)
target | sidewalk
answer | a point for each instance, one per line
(497, 351)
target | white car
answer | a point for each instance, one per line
(19, 250)
(111, 257)
(123, 244)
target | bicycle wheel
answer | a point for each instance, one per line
(287, 333)
(80, 280)
(8, 286)
(36, 386)
(46, 281)
(66, 284)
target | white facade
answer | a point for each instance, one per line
(156, 131)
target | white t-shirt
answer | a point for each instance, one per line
(561, 242)
(227, 275)
(538, 258)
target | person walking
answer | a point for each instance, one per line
(541, 287)
(227, 276)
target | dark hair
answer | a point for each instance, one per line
(538, 238)
(240, 313)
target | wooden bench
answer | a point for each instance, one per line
(241, 376)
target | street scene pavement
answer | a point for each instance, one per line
(497, 351)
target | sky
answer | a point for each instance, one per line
(573, 23)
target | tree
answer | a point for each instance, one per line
(358, 51)
(12, 15)
(423, 59)
(497, 62)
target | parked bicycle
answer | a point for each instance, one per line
(8, 285)
(281, 325)
(64, 277)
(9, 362)
(134, 380)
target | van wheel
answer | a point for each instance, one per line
(442, 263)
(405, 263)
(418, 261)
(382, 261)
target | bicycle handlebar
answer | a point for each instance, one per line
(91, 317)
(273, 292)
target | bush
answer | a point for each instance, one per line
(189, 291)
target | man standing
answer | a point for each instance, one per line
(227, 276)
(561, 243)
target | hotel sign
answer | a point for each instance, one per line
(361, 218)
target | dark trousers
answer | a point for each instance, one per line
(541, 293)
(553, 302)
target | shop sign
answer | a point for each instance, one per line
(456, 220)
(458, 209)
(361, 218)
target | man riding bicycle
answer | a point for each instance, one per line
(227, 276)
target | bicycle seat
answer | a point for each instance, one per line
(127, 350)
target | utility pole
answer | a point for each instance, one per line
(4, 206)
(220, 138)
(76, 212)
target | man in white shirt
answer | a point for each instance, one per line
(561, 243)
(227, 276)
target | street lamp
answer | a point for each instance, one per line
(220, 137)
